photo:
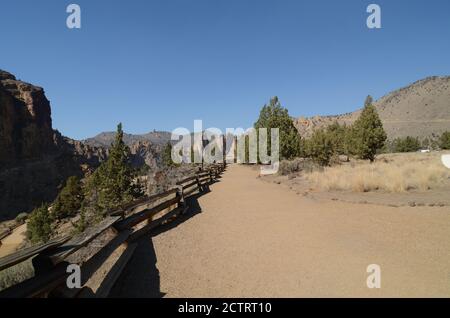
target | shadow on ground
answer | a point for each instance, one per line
(141, 277)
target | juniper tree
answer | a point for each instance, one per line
(167, 155)
(113, 181)
(69, 199)
(274, 115)
(368, 135)
(39, 227)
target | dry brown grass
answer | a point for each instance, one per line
(390, 173)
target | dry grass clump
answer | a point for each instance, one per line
(16, 274)
(395, 173)
(288, 167)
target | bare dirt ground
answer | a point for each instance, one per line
(13, 241)
(249, 238)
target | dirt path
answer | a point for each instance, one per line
(13, 241)
(256, 239)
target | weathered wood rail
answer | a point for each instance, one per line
(50, 260)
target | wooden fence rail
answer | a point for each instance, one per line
(50, 259)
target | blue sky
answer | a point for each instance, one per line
(162, 64)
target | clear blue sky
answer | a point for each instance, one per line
(162, 64)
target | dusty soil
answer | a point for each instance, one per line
(249, 238)
(13, 241)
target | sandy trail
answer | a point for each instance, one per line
(256, 239)
(13, 241)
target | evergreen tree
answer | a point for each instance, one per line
(339, 136)
(113, 181)
(444, 141)
(69, 199)
(39, 227)
(274, 115)
(367, 133)
(167, 155)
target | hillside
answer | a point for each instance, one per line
(421, 109)
(104, 139)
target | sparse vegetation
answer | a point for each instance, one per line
(16, 274)
(399, 175)
(363, 139)
(296, 165)
(407, 144)
(111, 185)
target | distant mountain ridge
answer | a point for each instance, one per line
(105, 139)
(421, 109)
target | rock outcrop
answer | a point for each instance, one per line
(25, 121)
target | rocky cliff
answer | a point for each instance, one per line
(35, 160)
(25, 121)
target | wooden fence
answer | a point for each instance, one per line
(127, 224)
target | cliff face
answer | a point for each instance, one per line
(25, 121)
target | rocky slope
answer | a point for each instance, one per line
(421, 109)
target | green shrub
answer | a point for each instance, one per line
(39, 228)
(444, 141)
(320, 147)
(69, 199)
(407, 144)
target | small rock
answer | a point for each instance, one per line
(412, 204)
